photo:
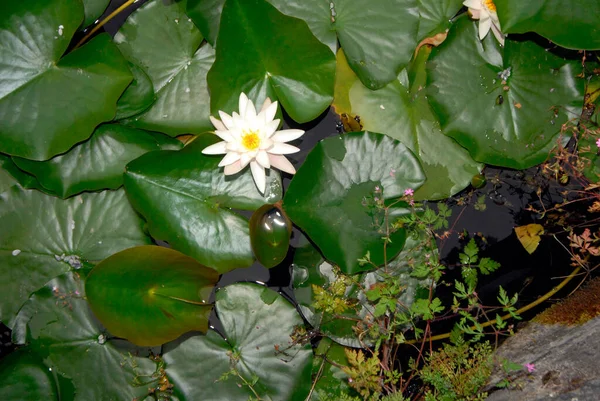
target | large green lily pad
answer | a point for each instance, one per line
(23, 376)
(98, 163)
(93, 9)
(574, 24)
(165, 43)
(379, 40)
(327, 197)
(43, 237)
(11, 175)
(57, 323)
(45, 100)
(280, 59)
(505, 105)
(401, 111)
(138, 96)
(186, 199)
(256, 345)
(150, 295)
(435, 16)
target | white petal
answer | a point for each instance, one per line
(270, 112)
(265, 104)
(226, 119)
(484, 27)
(217, 149)
(282, 163)
(476, 4)
(242, 103)
(271, 127)
(233, 168)
(265, 144)
(218, 124)
(263, 159)
(224, 135)
(475, 14)
(245, 159)
(287, 135)
(283, 149)
(250, 111)
(498, 34)
(229, 158)
(258, 173)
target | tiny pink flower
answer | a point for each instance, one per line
(530, 367)
(411, 202)
(409, 192)
(598, 143)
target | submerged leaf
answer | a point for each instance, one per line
(150, 295)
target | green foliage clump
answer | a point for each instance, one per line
(457, 372)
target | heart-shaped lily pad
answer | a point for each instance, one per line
(150, 295)
(435, 16)
(43, 237)
(256, 357)
(176, 63)
(574, 24)
(138, 96)
(280, 59)
(97, 163)
(378, 40)
(186, 199)
(401, 111)
(57, 323)
(33, 37)
(332, 198)
(505, 105)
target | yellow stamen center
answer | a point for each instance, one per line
(489, 4)
(250, 140)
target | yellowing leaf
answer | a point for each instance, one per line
(529, 236)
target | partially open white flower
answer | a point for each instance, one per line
(485, 12)
(251, 138)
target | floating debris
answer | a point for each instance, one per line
(16, 252)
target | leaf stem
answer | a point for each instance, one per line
(104, 21)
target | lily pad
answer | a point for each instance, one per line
(33, 36)
(332, 381)
(93, 10)
(435, 16)
(43, 237)
(150, 295)
(187, 201)
(206, 14)
(23, 376)
(165, 43)
(280, 59)
(327, 197)
(378, 40)
(98, 163)
(57, 323)
(505, 105)
(138, 96)
(11, 175)
(573, 24)
(255, 348)
(401, 111)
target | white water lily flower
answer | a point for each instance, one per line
(485, 12)
(251, 138)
